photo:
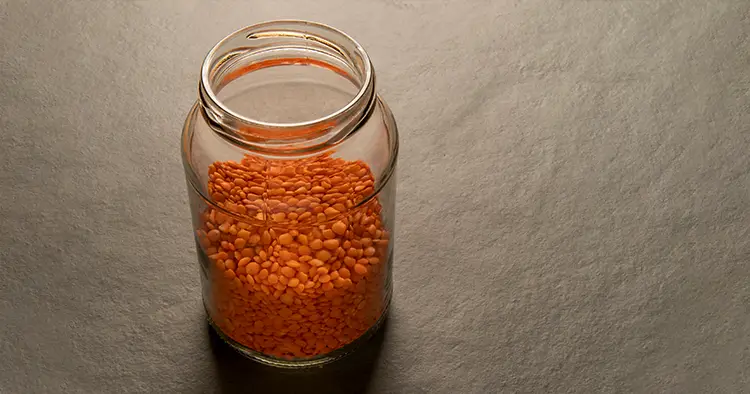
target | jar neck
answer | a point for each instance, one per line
(278, 44)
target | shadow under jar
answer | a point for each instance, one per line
(290, 160)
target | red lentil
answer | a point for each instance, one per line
(294, 271)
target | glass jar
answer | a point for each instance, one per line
(290, 159)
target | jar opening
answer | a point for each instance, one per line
(286, 87)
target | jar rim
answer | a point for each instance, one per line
(264, 136)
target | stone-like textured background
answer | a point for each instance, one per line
(574, 197)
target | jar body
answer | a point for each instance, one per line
(294, 249)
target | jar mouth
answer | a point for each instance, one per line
(286, 43)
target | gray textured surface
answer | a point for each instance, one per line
(574, 197)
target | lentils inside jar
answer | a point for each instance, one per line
(298, 267)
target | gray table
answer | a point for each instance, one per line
(573, 208)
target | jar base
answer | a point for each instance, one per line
(307, 362)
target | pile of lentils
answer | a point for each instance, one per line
(298, 259)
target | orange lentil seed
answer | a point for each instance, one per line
(360, 269)
(339, 228)
(332, 244)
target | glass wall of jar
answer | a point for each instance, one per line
(290, 160)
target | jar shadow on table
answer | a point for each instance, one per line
(350, 374)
